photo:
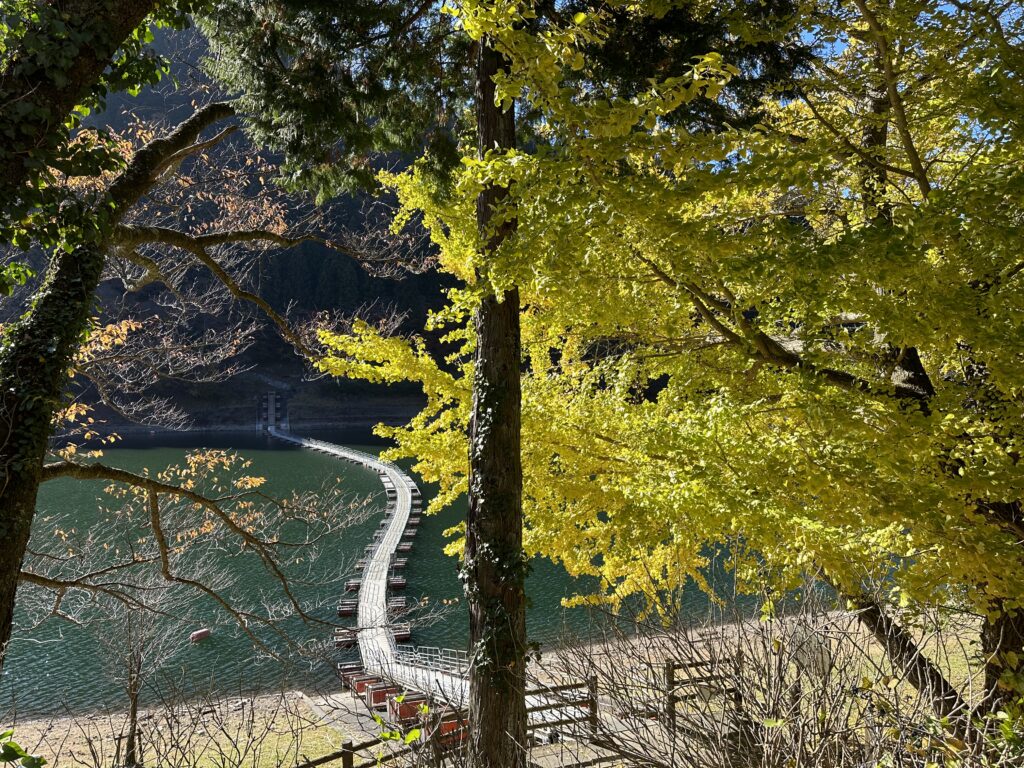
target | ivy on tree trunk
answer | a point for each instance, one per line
(494, 568)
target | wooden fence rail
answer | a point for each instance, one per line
(587, 701)
(718, 676)
(347, 755)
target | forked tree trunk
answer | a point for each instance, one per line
(907, 656)
(37, 351)
(494, 567)
(899, 645)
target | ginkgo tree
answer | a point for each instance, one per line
(802, 339)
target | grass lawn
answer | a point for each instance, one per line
(265, 732)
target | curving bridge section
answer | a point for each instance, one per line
(438, 672)
(433, 671)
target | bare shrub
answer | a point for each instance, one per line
(810, 687)
(215, 730)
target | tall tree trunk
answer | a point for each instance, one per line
(495, 568)
(908, 370)
(1002, 631)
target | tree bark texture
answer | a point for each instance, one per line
(36, 96)
(1002, 643)
(494, 568)
(37, 351)
(33, 373)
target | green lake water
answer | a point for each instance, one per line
(59, 667)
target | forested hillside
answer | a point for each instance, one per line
(308, 281)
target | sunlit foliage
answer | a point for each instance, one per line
(801, 338)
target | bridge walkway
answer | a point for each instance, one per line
(377, 647)
(437, 672)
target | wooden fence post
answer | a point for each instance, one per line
(592, 703)
(348, 756)
(670, 696)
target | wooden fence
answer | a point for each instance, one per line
(703, 678)
(349, 752)
(576, 702)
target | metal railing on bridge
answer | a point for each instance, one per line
(438, 659)
(310, 442)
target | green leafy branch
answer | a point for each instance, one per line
(12, 752)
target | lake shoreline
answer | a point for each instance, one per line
(307, 413)
(249, 427)
(67, 678)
